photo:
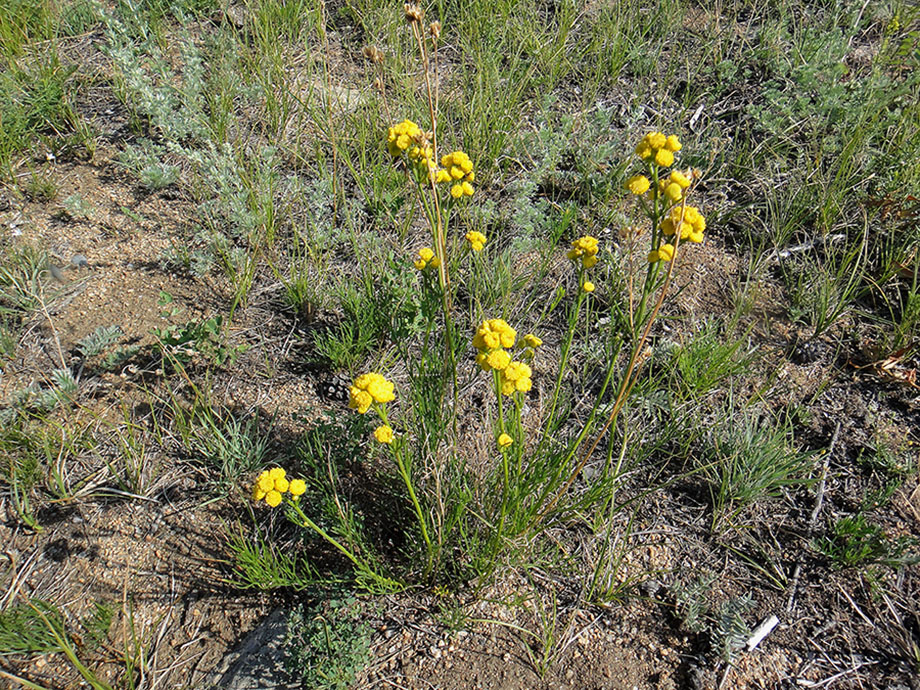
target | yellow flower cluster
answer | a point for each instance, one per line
(673, 186)
(369, 389)
(423, 157)
(407, 137)
(664, 253)
(458, 170)
(504, 440)
(402, 137)
(496, 359)
(584, 248)
(477, 240)
(690, 228)
(384, 434)
(659, 148)
(515, 378)
(426, 258)
(493, 334)
(491, 339)
(272, 484)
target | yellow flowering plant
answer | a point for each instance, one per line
(274, 488)
(662, 192)
(465, 504)
(441, 181)
(533, 461)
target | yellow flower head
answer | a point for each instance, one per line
(530, 340)
(504, 441)
(297, 487)
(384, 434)
(456, 191)
(265, 482)
(674, 192)
(273, 498)
(402, 136)
(277, 473)
(584, 248)
(493, 334)
(281, 485)
(588, 286)
(515, 378)
(656, 140)
(477, 240)
(258, 493)
(638, 184)
(677, 177)
(672, 144)
(497, 359)
(369, 389)
(664, 253)
(664, 158)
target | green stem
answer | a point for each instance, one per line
(503, 511)
(405, 473)
(563, 361)
(325, 535)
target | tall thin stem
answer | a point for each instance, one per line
(626, 386)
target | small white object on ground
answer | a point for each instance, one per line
(762, 631)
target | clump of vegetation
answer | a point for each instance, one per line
(326, 645)
(595, 304)
(855, 541)
(524, 481)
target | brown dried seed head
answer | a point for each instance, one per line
(373, 54)
(435, 30)
(630, 232)
(413, 12)
(378, 84)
